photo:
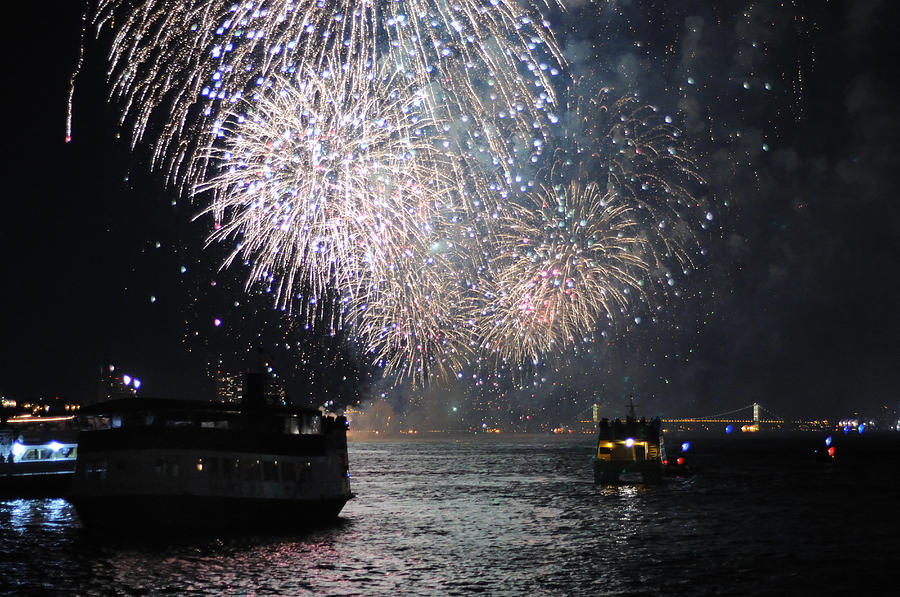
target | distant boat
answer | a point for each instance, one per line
(37, 457)
(633, 449)
(157, 464)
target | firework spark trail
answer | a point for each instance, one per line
(79, 63)
(186, 63)
(324, 181)
(644, 158)
(416, 323)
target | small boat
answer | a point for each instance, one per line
(38, 462)
(631, 448)
(634, 450)
(157, 464)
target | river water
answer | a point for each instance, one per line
(518, 515)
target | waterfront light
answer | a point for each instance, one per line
(685, 446)
(126, 379)
(54, 445)
(629, 442)
(728, 428)
(18, 449)
(828, 441)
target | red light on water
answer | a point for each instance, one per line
(680, 461)
(831, 451)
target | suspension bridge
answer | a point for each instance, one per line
(752, 417)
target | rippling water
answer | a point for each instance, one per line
(516, 516)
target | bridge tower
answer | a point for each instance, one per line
(756, 413)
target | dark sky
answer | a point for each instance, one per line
(794, 303)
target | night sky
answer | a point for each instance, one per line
(792, 111)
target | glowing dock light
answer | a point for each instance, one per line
(728, 428)
(685, 446)
(828, 441)
(54, 445)
(126, 379)
(861, 428)
(629, 443)
(18, 449)
(846, 429)
(136, 383)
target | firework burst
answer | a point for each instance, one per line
(417, 323)
(576, 257)
(569, 260)
(317, 184)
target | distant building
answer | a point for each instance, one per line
(230, 388)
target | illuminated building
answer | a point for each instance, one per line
(229, 387)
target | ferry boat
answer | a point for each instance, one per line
(634, 449)
(631, 447)
(160, 464)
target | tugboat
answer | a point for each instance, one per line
(629, 447)
(159, 465)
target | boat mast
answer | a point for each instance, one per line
(631, 407)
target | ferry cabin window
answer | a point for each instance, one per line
(95, 469)
(292, 425)
(252, 470)
(170, 467)
(173, 469)
(270, 470)
(312, 424)
(179, 423)
(230, 467)
(288, 471)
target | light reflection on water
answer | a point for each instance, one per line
(509, 517)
